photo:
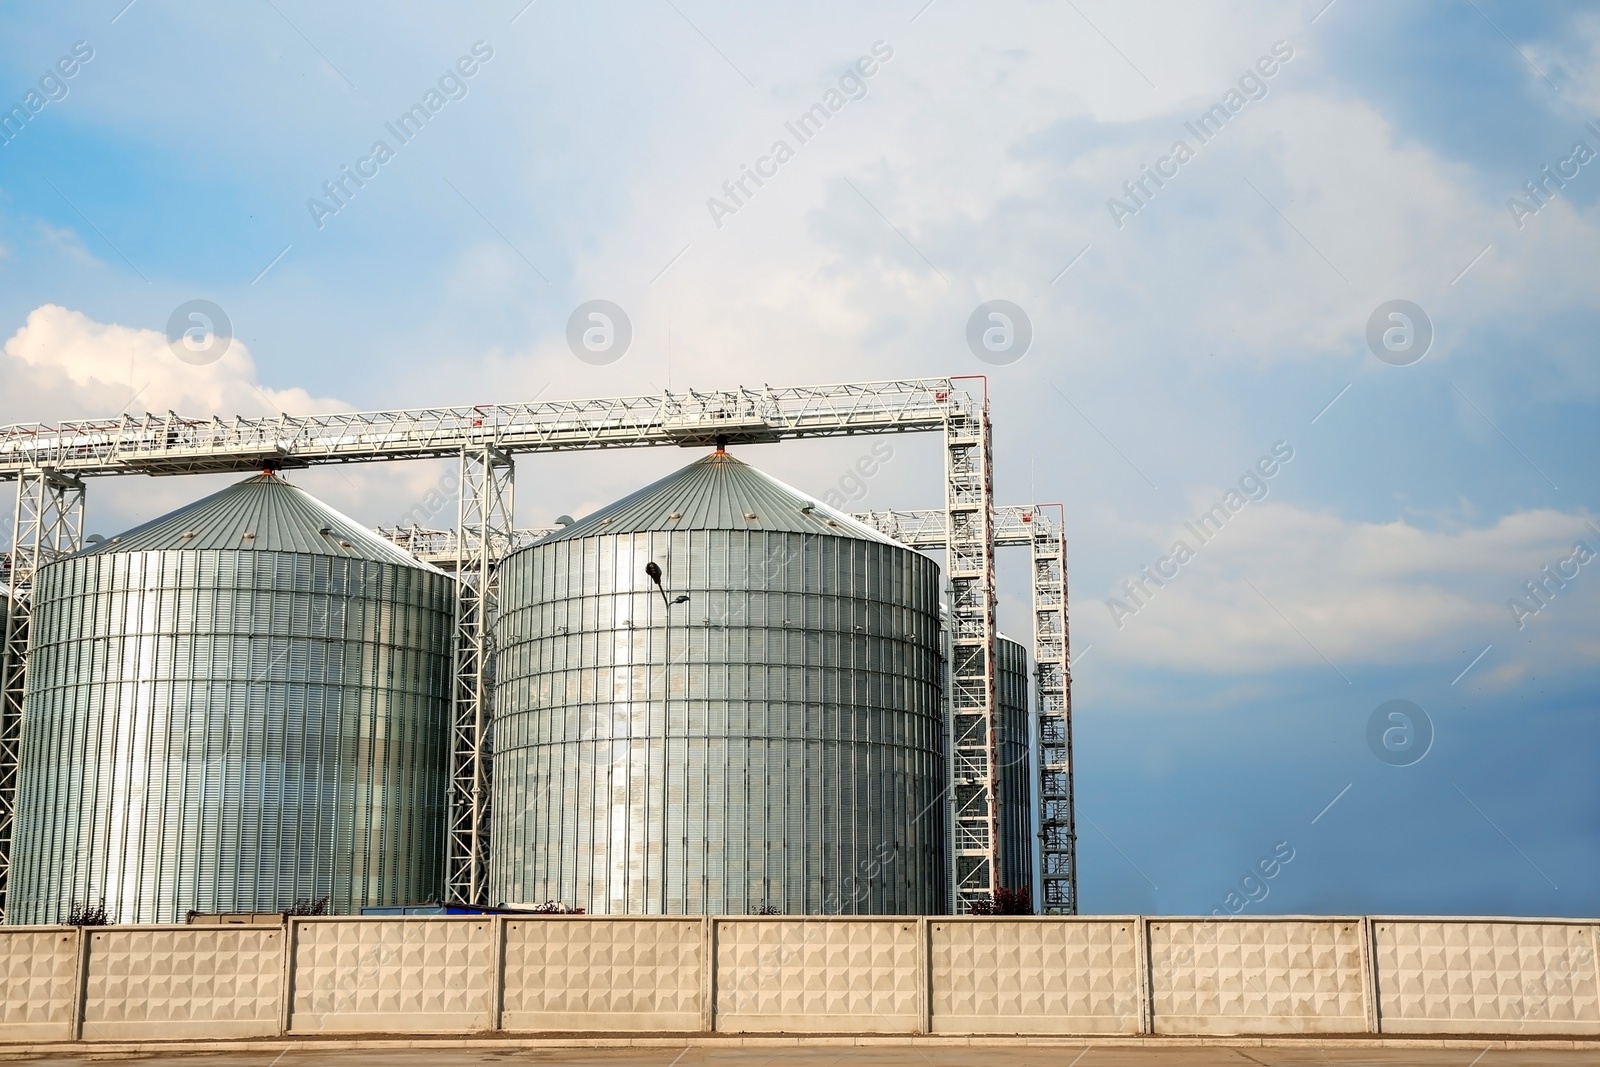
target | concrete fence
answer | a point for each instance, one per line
(834, 975)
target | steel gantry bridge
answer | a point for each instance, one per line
(50, 464)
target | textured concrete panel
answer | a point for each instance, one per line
(1462, 977)
(1239, 976)
(1035, 976)
(37, 972)
(604, 974)
(185, 981)
(795, 976)
(395, 975)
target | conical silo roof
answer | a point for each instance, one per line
(260, 514)
(718, 493)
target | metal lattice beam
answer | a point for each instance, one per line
(483, 538)
(46, 525)
(1045, 536)
(173, 444)
(969, 566)
(1052, 653)
(441, 547)
(483, 438)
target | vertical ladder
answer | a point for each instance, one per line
(47, 525)
(1052, 650)
(483, 538)
(969, 516)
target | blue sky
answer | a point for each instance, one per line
(1220, 318)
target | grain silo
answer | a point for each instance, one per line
(1016, 766)
(763, 731)
(236, 706)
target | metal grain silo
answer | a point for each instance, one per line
(1016, 766)
(235, 706)
(762, 732)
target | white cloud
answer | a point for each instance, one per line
(992, 145)
(62, 365)
(1353, 592)
(90, 369)
(1573, 62)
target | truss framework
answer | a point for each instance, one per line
(47, 462)
(47, 524)
(1045, 537)
(485, 510)
(173, 444)
(442, 548)
(969, 570)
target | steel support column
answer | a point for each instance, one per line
(483, 538)
(969, 540)
(1058, 852)
(46, 525)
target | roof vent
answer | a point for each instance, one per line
(750, 516)
(675, 516)
(188, 534)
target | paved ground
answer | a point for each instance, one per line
(1299, 1056)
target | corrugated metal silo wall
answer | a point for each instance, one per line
(791, 755)
(232, 731)
(1016, 768)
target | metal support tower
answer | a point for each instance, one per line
(1030, 525)
(46, 525)
(1052, 654)
(483, 537)
(441, 547)
(969, 555)
(47, 459)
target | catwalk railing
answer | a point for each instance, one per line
(48, 462)
(838, 975)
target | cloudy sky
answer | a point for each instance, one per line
(1206, 213)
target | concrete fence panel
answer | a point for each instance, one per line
(183, 981)
(1482, 977)
(604, 974)
(413, 975)
(38, 983)
(836, 975)
(1035, 976)
(1257, 976)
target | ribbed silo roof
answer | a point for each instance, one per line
(260, 514)
(718, 493)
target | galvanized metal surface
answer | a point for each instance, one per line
(260, 514)
(233, 730)
(718, 492)
(1041, 527)
(1015, 767)
(174, 444)
(774, 741)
